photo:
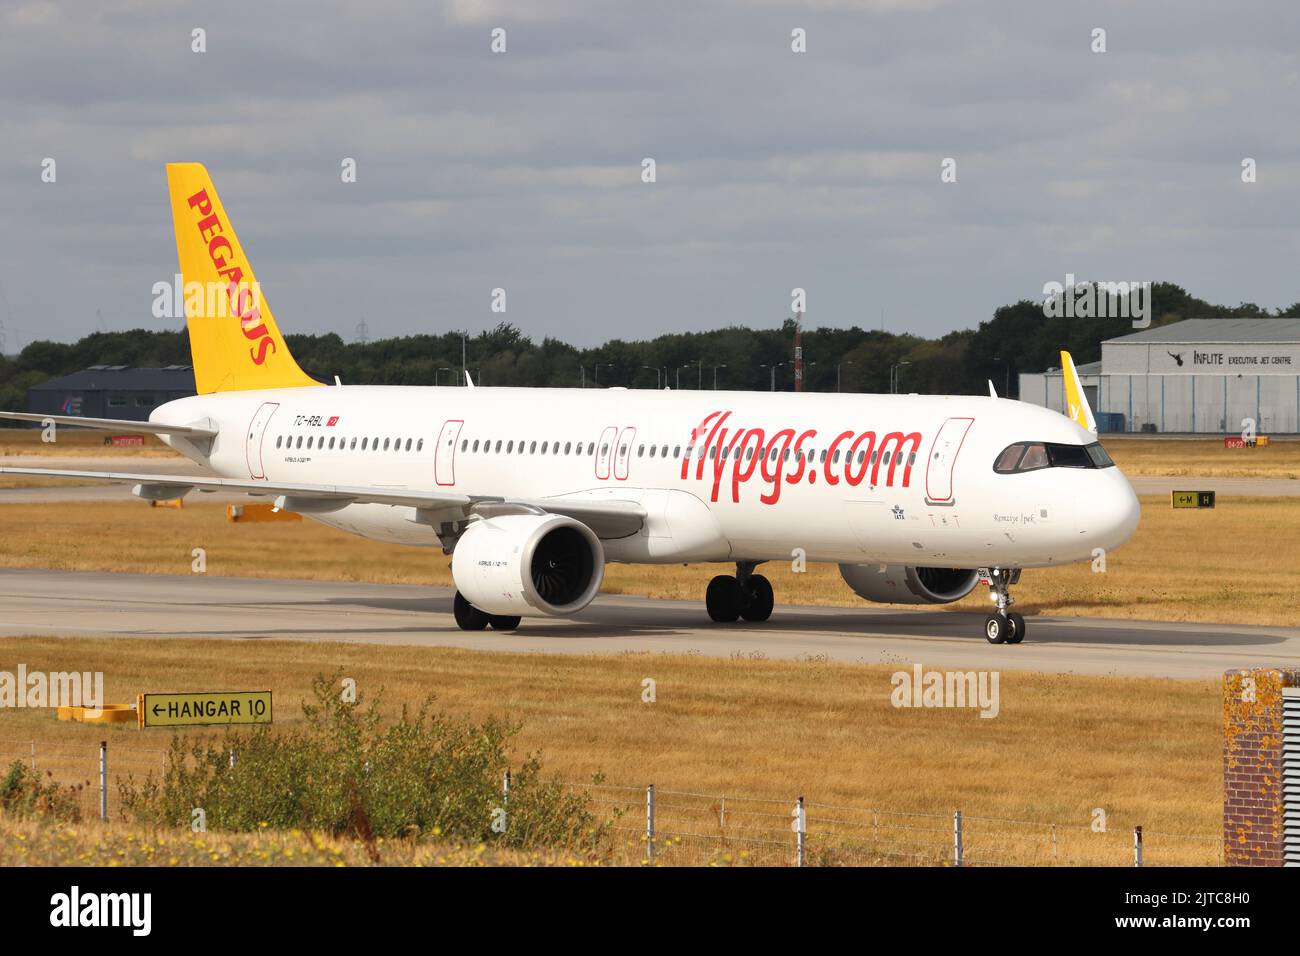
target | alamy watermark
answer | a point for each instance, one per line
(1098, 300)
(24, 688)
(921, 688)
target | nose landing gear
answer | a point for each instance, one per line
(1003, 626)
(747, 595)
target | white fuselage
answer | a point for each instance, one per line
(889, 479)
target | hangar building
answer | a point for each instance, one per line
(111, 391)
(1199, 375)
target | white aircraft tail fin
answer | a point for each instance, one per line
(1076, 402)
(993, 392)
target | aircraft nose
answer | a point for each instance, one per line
(1114, 514)
(1116, 518)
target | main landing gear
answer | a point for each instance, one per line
(746, 595)
(470, 618)
(1003, 626)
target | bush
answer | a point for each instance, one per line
(23, 794)
(347, 774)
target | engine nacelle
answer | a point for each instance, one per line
(895, 584)
(528, 565)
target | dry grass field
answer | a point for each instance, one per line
(1183, 565)
(1203, 457)
(75, 442)
(1146, 751)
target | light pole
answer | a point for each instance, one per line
(715, 376)
(597, 379)
(837, 372)
(651, 368)
(773, 368)
(1006, 389)
(893, 376)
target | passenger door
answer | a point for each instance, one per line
(943, 458)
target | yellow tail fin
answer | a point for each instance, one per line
(234, 340)
(1076, 402)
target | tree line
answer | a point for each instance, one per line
(1017, 338)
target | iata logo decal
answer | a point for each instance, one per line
(243, 296)
(784, 457)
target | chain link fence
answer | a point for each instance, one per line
(677, 827)
(689, 828)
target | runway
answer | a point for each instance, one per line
(65, 603)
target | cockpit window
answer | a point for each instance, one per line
(1008, 460)
(1035, 458)
(1098, 455)
(1030, 456)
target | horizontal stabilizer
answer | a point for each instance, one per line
(113, 424)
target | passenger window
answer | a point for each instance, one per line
(677, 451)
(567, 446)
(464, 445)
(364, 443)
(604, 449)
(532, 448)
(653, 449)
(640, 451)
(419, 445)
(510, 446)
(591, 448)
(278, 441)
(543, 448)
(353, 445)
(386, 445)
(331, 444)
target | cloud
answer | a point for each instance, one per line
(522, 170)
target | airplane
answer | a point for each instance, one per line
(917, 498)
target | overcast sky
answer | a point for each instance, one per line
(522, 170)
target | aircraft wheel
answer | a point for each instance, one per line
(761, 600)
(996, 629)
(468, 617)
(1017, 628)
(500, 622)
(722, 599)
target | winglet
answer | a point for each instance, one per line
(468, 381)
(993, 392)
(1076, 403)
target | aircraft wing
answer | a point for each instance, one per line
(607, 518)
(113, 424)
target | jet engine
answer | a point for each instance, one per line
(528, 565)
(895, 584)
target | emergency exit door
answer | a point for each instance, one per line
(256, 432)
(444, 452)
